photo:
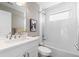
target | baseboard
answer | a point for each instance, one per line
(61, 52)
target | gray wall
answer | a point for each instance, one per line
(32, 12)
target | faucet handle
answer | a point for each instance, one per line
(14, 36)
(8, 35)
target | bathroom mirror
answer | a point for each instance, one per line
(5, 22)
(14, 22)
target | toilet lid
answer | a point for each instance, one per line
(44, 49)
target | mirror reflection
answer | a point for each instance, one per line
(15, 16)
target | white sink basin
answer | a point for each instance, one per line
(12, 41)
(7, 43)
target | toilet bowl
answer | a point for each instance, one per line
(44, 51)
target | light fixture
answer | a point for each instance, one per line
(20, 3)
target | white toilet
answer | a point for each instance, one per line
(44, 51)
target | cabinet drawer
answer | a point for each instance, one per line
(12, 52)
(33, 52)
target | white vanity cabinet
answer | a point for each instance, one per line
(29, 49)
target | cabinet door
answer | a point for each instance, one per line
(12, 52)
(32, 52)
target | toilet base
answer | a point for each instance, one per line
(40, 55)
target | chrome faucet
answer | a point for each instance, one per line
(15, 36)
(9, 36)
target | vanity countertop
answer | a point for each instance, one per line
(5, 43)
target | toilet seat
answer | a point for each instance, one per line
(44, 51)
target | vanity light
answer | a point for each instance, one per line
(20, 3)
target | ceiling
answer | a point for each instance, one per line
(45, 5)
